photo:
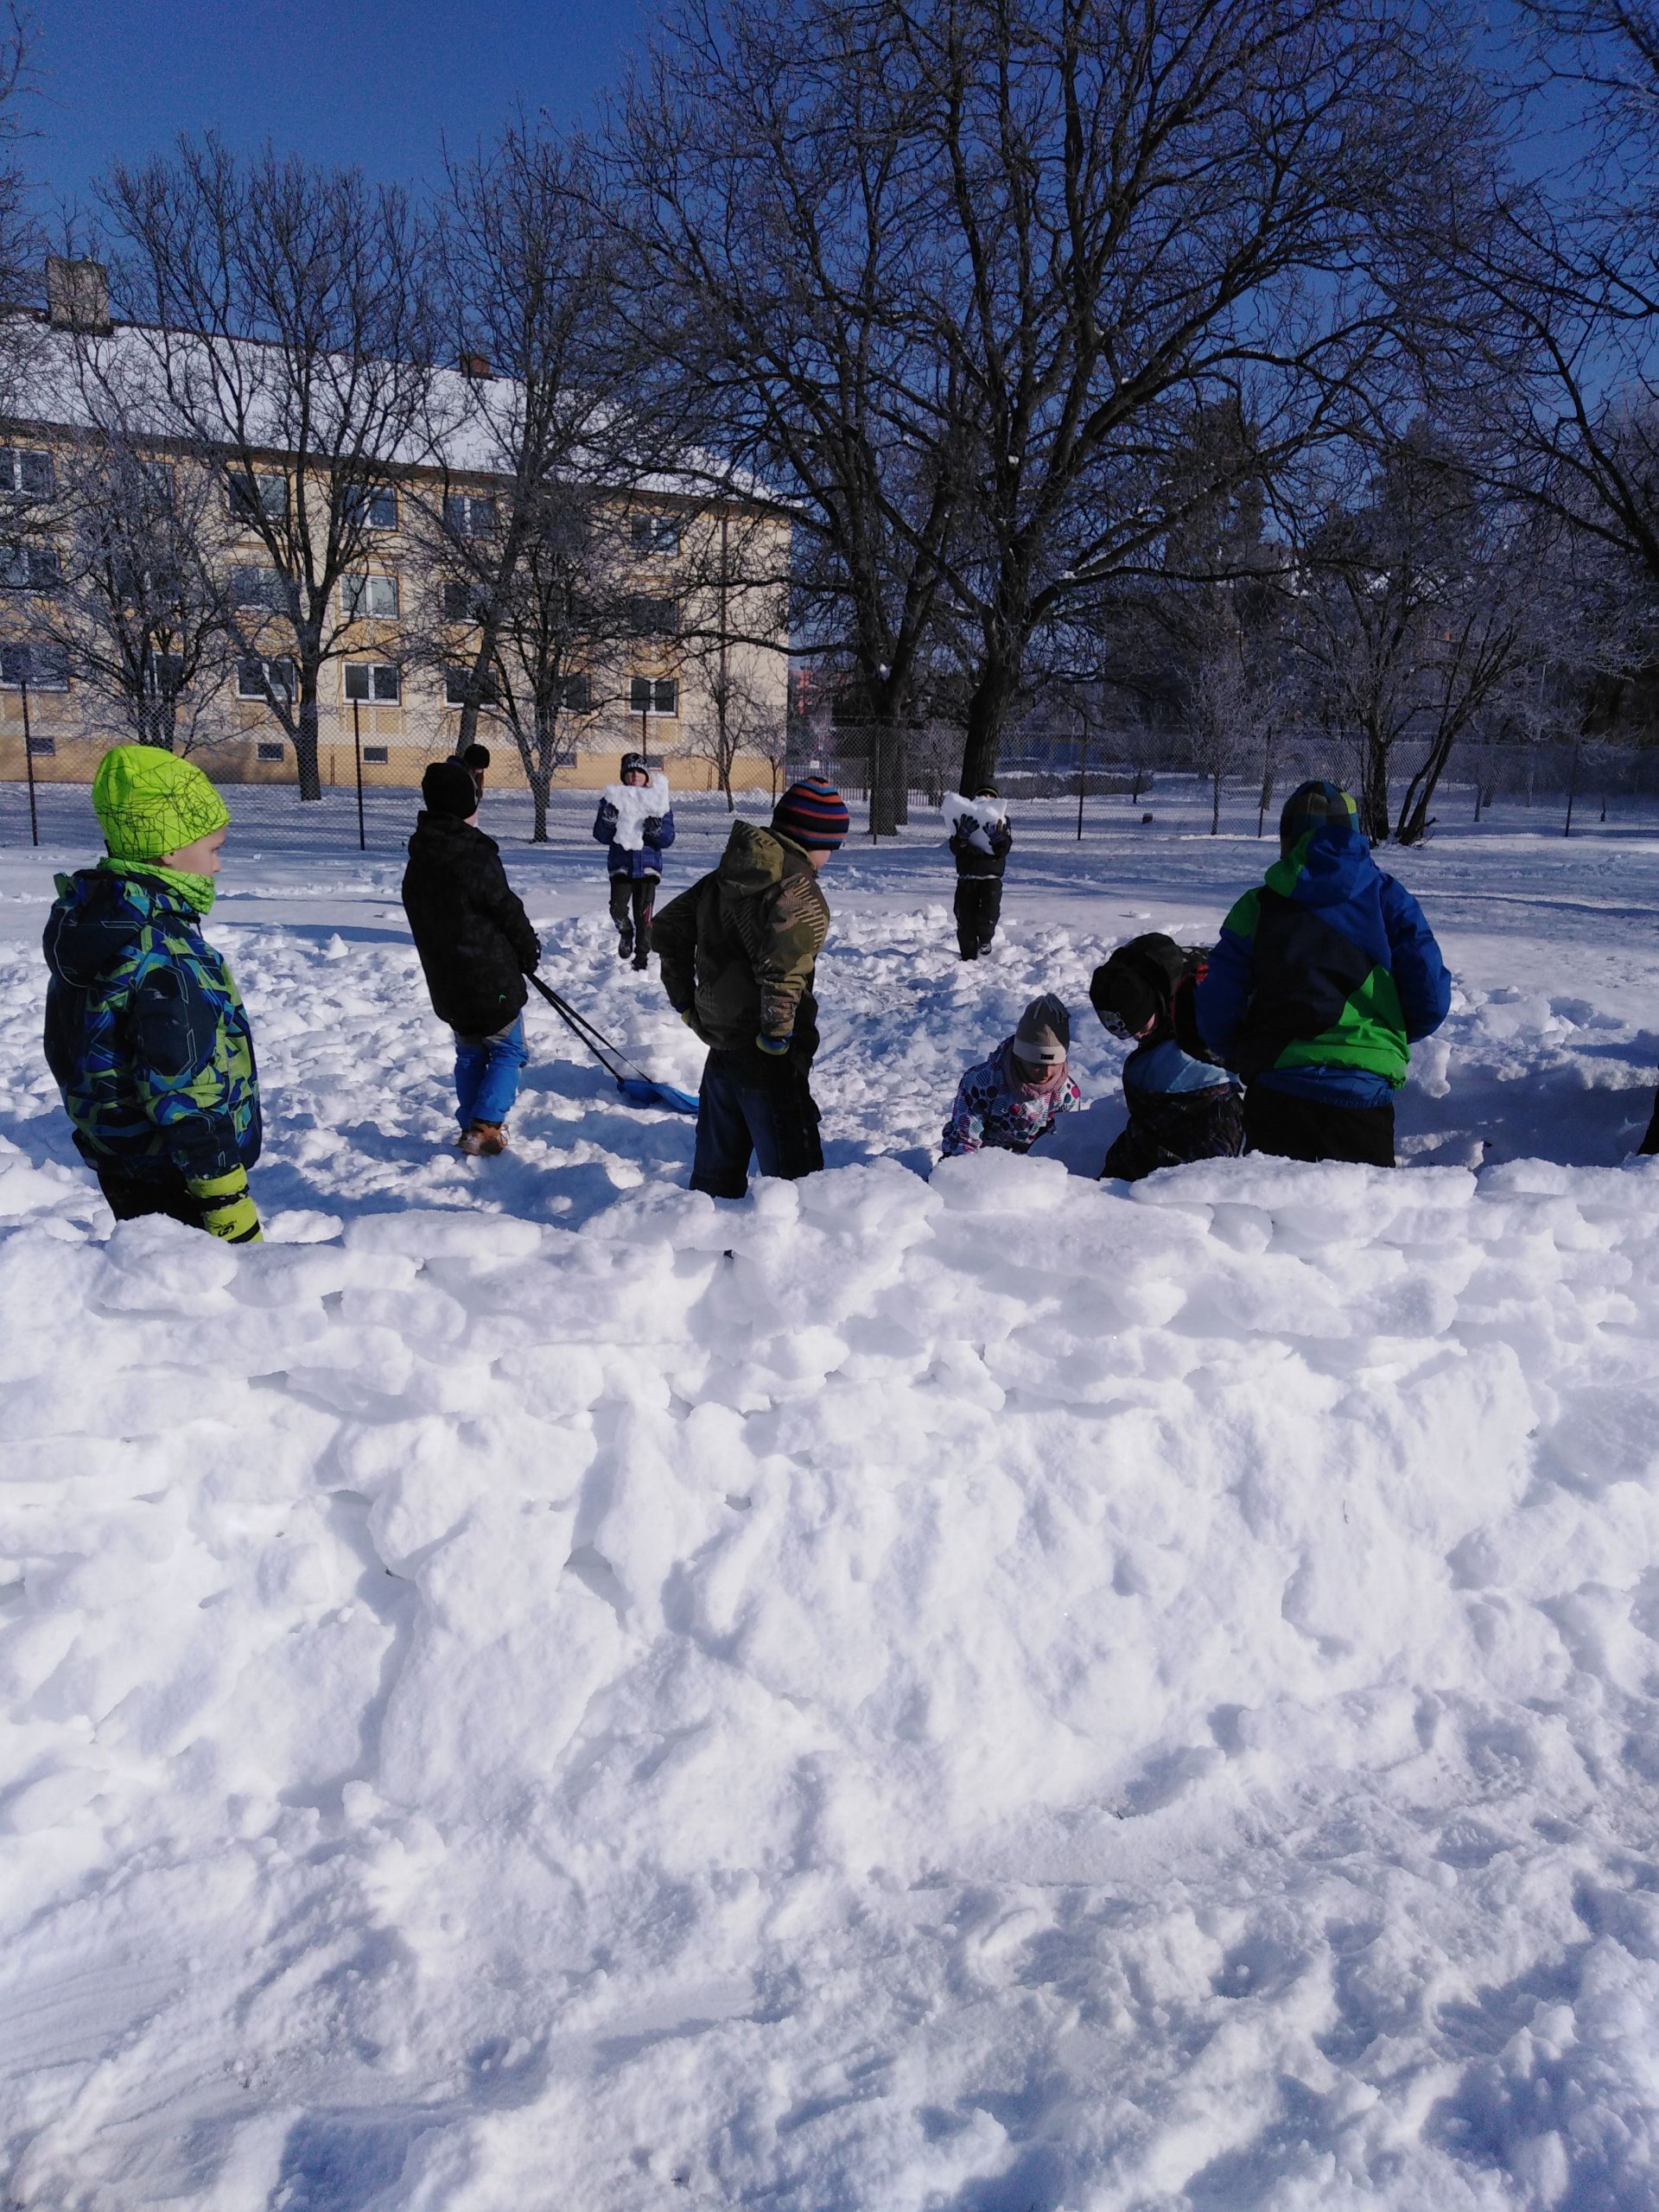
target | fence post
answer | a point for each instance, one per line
(357, 750)
(29, 765)
(1572, 788)
(1083, 772)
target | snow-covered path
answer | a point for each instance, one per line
(977, 1695)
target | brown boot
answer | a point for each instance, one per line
(484, 1140)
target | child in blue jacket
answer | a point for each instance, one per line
(1321, 982)
(637, 822)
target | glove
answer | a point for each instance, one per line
(772, 1048)
(652, 827)
(227, 1211)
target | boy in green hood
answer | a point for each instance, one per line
(145, 1034)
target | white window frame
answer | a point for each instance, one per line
(469, 514)
(372, 672)
(262, 480)
(58, 680)
(359, 592)
(276, 678)
(365, 495)
(656, 537)
(658, 685)
(16, 464)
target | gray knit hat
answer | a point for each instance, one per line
(1044, 1034)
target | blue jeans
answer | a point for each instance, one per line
(750, 1106)
(486, 1074)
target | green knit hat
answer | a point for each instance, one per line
(148, 803)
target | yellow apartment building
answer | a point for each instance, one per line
(694, 566)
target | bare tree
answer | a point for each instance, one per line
(1417, 596)
(138, 604)
(770, 166)
(555, 405)
(279, 326)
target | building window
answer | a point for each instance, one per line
(461, 601)
(656, 536)
(26, 476)
(163, 675)
(468, 514)
(268, 751)
(652, 618)
(43, 668)
(30, 568)
(369, 598)
(264, 679)
(653, 694)
(371, 506)
(266, 587)
(254, 499)
(375, 683)
(42, 748)
(576, 692)
(456, 688)
(375, 756)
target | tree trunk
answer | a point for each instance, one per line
(889, 779)
(1374, 791)
(987, 713)
(305, 737)
(538, 773)
(1215, 806)
(1420, 791)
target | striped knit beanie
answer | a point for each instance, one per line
(813, 815)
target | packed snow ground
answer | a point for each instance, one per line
(985, 1694)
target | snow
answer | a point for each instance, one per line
(983, 813)
(936, 1690)
(634, 804)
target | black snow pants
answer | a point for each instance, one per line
(978, 902)
(1308, 1129)
(632, 900)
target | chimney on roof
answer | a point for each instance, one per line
(78, 295)
(476, 366)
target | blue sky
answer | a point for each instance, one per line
(380, 85)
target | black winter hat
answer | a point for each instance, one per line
(447, 788)
(475, 756)
(1310, 806)
(635, 763)
(1133, 986)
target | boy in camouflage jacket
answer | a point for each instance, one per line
(145, 1032)
(738, 952)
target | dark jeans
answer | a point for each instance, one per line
(978, 902)
(130, 1198)
(1308, 1129)
(632, 900)
(1180, 1126)
(1651, 1142)
(751, 1106)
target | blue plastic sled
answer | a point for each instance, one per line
(638, 1089)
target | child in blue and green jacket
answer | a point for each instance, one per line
(1320, 984)
(145, 1032)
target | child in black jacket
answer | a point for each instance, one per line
(980, 838)
(476, 947)
(1182, 1104)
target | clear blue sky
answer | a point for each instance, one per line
(380, 85)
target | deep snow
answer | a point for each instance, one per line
(986, 1695)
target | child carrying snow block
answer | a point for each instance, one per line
(980, 838)
(145, 1034)
(636, 821)
(476, 947)
(1009, 1101)
(1182, 1105)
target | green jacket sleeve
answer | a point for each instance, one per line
(793, 924)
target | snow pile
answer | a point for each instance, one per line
(983, 1693)
(983, 813)
(634, 804)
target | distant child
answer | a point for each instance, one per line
(475, 758)
(1181, 1106)
(476, 947)
(145, 1034)
(1009, 1101)
(980, 838)
(637, 822)
(1321, 982)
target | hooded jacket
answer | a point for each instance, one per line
(1324, 977)
(996, 1107)
(473, 937)
(146, 1035)
(739, 949)
(984, 856)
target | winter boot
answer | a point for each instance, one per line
(625, 943)
(483, 1140)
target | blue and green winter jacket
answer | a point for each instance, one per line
(1325, 976)
(145, 1032)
